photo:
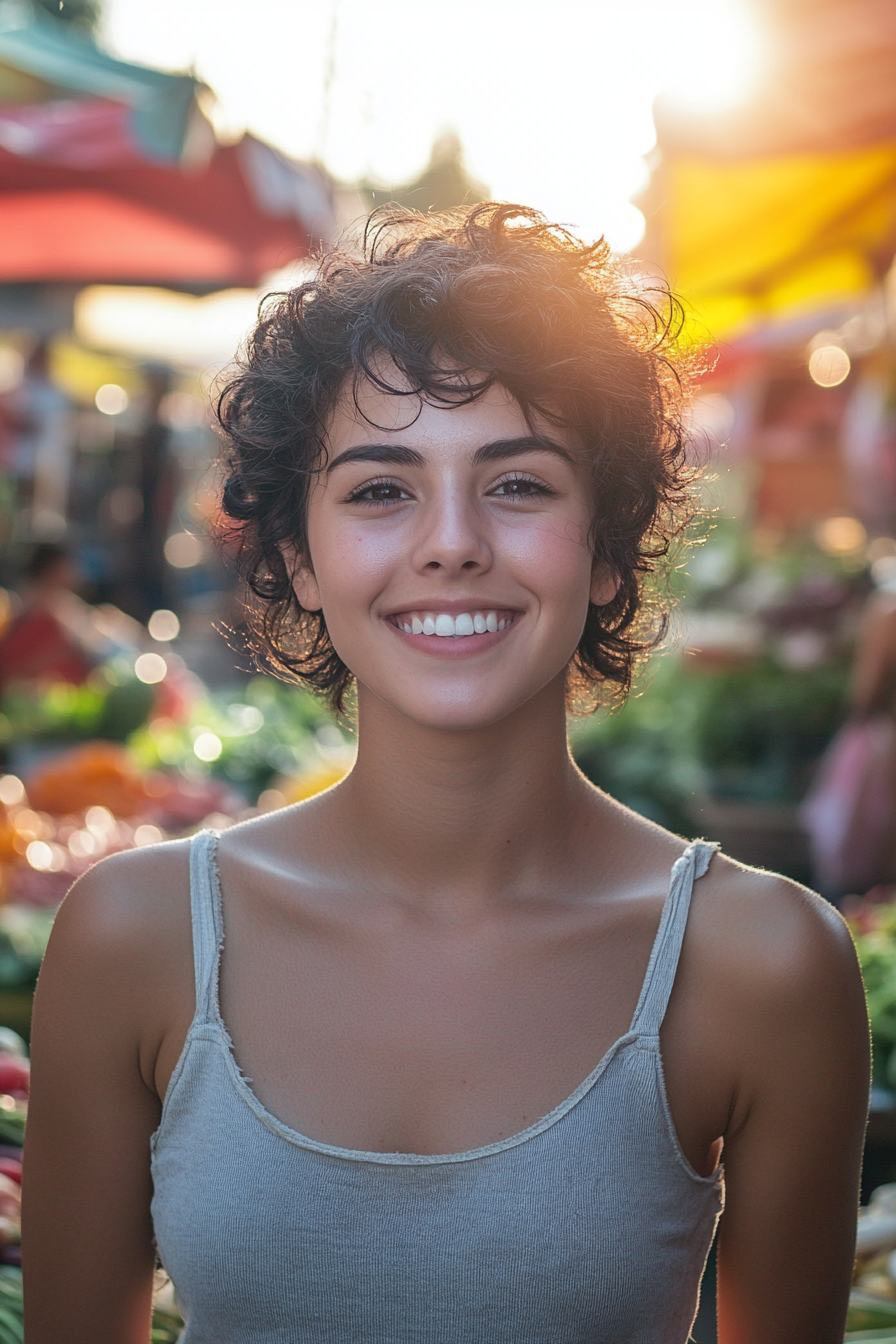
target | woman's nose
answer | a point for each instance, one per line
(452, 537)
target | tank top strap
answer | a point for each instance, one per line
(208, 927)
(664, 958)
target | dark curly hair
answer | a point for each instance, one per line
(458, 302)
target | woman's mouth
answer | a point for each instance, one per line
(447, 626)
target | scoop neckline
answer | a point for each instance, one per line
(271, 1122)
(296, 1137)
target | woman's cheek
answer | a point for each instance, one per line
(353, 568)
(353, 563)
(552, 557)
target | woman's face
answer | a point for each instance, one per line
(449, 553)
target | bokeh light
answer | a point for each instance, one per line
(150, 668)
(111, 399)
(269, 800)
(147, 834)
(45, 857)
(841, 536)
(208, 747)
(829, 366)
(83, 844)
(100, 822)
(163, 625)
(12, 790)
(183, 550)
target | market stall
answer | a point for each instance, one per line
(776, 222)
(113, 184)
(112, 172)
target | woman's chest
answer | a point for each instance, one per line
(435, 1041)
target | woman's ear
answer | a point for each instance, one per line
(604, 584)
(304, 584)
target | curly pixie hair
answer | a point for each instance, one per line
(457, 302)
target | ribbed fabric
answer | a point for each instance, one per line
(589, 1227)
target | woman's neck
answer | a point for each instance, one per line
(475, 812)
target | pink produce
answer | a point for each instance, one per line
(15, 1074)
(12, 1169)
(10, 1199)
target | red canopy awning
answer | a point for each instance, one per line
(111, 172)
(246, 212)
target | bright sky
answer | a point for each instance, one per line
(551, 100)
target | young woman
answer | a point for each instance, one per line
(455, 1051)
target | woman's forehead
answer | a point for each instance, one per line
(367, 414)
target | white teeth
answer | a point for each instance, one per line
(459, 627)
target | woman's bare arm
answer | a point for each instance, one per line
(793, 1150)
(116, 981)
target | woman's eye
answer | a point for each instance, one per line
(378, 492)
(520, 487)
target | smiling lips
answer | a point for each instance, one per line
(452, 627)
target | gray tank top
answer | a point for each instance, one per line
(589, 1227)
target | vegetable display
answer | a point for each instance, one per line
(12, 1325)
(872, 1305)
(111, 705)
(751, 733)
(15, 1074)
(872, 1310)
(204, 761)
(872, 920)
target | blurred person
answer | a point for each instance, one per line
(874, 674)
(483, 1052)
(42, 642)
(9, 430)
(56, 635)
(157, 484)
(850, 812)
(41, 453)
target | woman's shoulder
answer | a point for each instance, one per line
(751, 917)
(124, 929)
(753, 936)
(770, 942)
(132, 893)
(118, 970)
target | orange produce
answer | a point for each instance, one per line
(97, 774)
(8, 851)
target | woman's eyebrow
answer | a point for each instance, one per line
(526, 443)
(393, 453)
(398, 455)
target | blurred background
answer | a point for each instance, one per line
(165, 163)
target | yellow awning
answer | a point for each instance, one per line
(752, 240)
